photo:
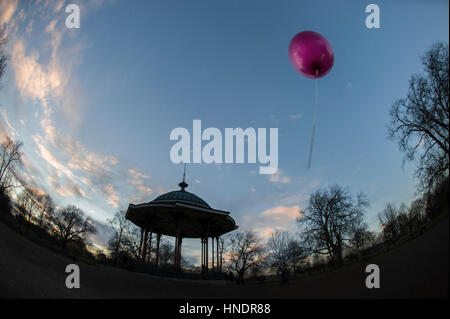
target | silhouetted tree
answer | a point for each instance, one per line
(166, 253)
(10, 157)
(389, 221)
(5, 202)
(244, 251)
(131, 240)
(420, 122)
(296, 252)
(46, 208)
(186, 263)
(437, 199)
(118, 225)
(3, 55)
(71, 225)
(278, 250)
(329, 219)
(361, 237)
(403, 219)
(26, 204)
(416, 215)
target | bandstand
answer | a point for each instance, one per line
(181, 214)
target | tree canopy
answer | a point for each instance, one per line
(419, 123)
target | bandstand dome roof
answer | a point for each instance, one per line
(181, 213)
(181, 196)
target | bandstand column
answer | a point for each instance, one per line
(212, 253)
(203, 254)
(180, 240)
(206, 254)
(217, 254)
(144, 249)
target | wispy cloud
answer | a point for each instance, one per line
(58, 6)
(7, 10)
(7, 131)
(49, 158)
(282, 214)
(279, 177)
(111, 193)
(137, 180)
(273, 219)
(68, 188)
(43, 75)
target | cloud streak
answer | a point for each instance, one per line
(7, 10)
(42, 74)
(273, 219)
(279, 177)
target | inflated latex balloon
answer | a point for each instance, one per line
(311, 54)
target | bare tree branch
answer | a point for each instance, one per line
(419, 123)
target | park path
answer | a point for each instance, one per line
(418, 269)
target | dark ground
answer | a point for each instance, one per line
(417, 269)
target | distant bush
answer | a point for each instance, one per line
(437, 199)
(5, 202)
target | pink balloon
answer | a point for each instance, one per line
(311, 54)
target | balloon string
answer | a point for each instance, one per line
(315, 118)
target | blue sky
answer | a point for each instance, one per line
(95, 106)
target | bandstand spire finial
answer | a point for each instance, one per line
(183, 184)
